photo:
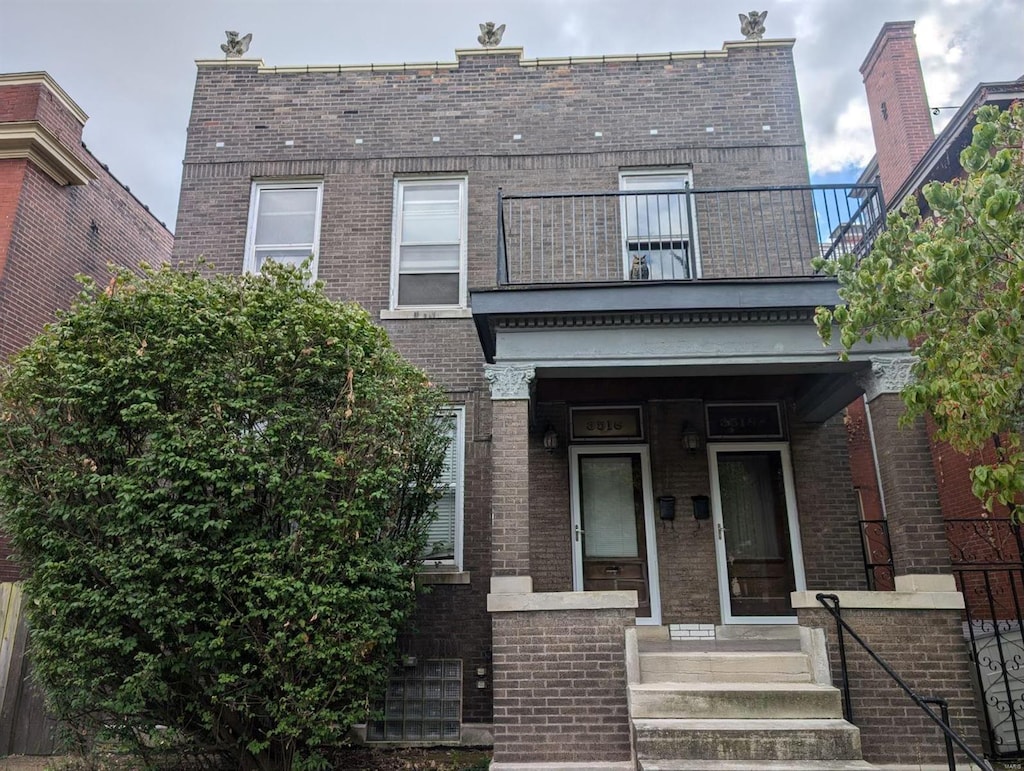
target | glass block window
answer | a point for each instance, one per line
(423, 703)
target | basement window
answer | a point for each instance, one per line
(423, 703)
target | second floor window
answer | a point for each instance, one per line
(284, 224)
(428, 262)
(656, 226)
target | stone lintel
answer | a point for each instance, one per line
(555, 601)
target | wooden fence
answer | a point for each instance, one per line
(25, 728)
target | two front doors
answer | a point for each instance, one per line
(757, 543)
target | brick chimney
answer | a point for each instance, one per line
(900, 119)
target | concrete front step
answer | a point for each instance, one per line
(746, 739)
(734, 700)
(725, 666)
(755, 765)
(757, 632)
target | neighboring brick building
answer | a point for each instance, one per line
(985, 548)
(605, 261)
(62, 213)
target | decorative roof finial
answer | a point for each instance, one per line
(490, 36)
(236, 46)
(752, 26)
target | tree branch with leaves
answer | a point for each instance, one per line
(951, 281)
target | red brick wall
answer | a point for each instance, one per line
(12, 177)
(19, 102)
(46, 234)
(52, 241)
(35, 102)
(862, 460)
(924, 647)
(560, 686)
(903, 128)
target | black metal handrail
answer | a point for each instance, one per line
(877, 549)
(951, 736)
(682, 234)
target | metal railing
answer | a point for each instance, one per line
(831, 603)
(682, 234)
(878, 565)
(987, 555)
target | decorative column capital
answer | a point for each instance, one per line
(509, 382)
(888, 375)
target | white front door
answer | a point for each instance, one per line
(757, 536)
(613, 524)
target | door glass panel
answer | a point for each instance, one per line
(756, 532)
(608, 506)
(614, 540)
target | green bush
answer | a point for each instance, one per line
(218, 488)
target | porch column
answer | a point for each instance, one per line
(909, 490)
(510, 501)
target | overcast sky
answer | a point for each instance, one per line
(130, 63)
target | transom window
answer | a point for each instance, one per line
(284, 224)
(429, 243)
(444, 541)
(658, 243)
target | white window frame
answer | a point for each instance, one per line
(401, 185)
(458, 455)
(258, 186)
(687, 175)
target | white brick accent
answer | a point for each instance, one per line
(691, 631)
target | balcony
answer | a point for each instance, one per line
(706, 287)
(681, 235)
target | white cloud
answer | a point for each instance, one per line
(849, 146)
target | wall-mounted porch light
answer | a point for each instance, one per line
(691, 438)
(550, 438)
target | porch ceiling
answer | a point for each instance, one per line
(680, 330)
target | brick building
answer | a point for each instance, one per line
(62, 213)
(605, 261)
(985, 549)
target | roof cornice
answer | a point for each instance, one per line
(44, 79)
(509, 51)
(31, 141)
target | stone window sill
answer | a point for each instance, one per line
(450, 577)
(433, 313)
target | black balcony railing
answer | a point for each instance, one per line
(682, 234)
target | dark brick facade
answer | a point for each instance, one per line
(560, 686)
(475, 108)
(924, 647)
(50, 231)
(908, 485)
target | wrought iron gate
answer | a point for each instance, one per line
(988, 563)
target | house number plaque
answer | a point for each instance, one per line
(744, 421)
(594, 423)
